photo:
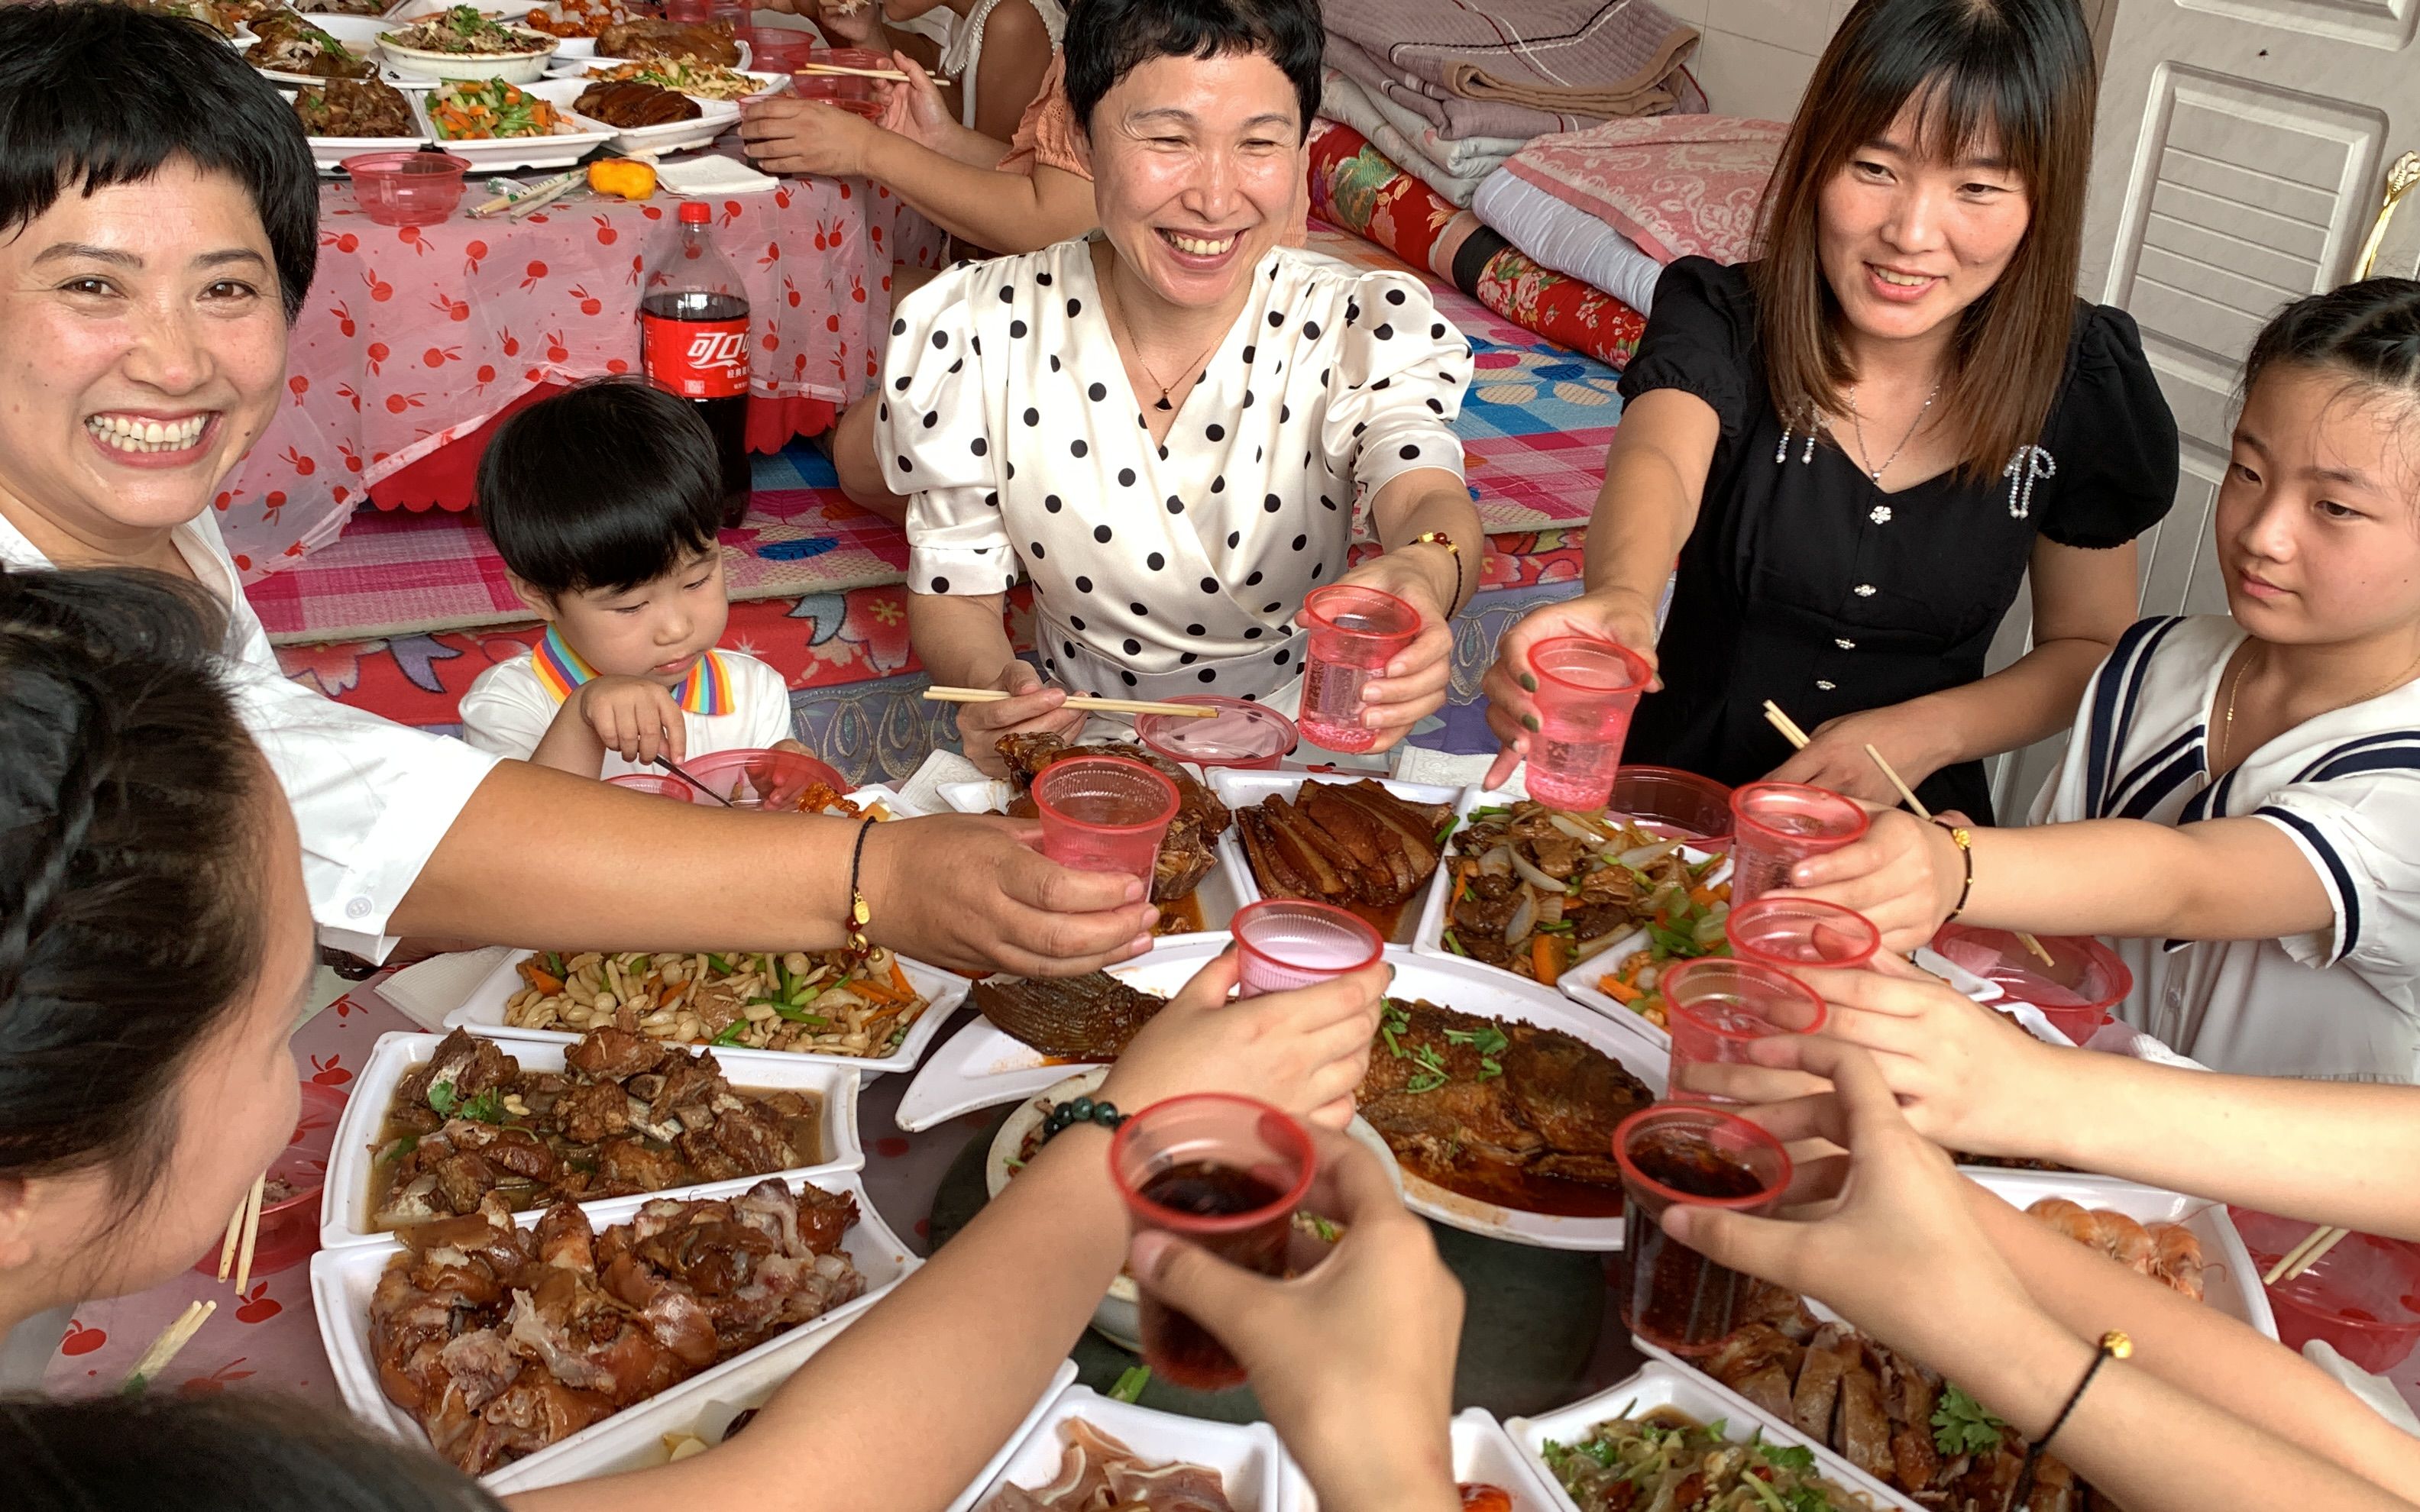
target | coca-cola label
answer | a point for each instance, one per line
(696, 359)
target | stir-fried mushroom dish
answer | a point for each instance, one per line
(1539, 891)
(502, 1340)
(626, 1115)
(354, 108)
(1344, 843)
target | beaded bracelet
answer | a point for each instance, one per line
(2114, 1346)
(1078, 1110)
(1453, 550)
(1964, 839)
(860, 913)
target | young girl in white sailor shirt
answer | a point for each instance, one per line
(2240, 803)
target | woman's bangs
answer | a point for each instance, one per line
(1979, 110)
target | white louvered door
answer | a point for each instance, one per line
(2242, 150)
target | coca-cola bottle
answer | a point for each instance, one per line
(693, 341)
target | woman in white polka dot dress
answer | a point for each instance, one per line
(1178, 428)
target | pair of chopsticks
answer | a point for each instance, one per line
(163, 1348)
(677, 771)
(243, 1231)
(939, 81)
(1798, 738)
(2305, 1254)
(993, 695)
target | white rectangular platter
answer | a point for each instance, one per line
(1247, 790)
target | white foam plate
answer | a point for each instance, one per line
(342, 1281)
(567, 65)
(1216, 892)
(410, 11)
(1483, 1455)
(1246, 789)
(715, 118)
(345, 1211)
(482, 1013)
(328, 153)
(495, 154)
(1246, 1457)
(1664, 1382)
(2230, 1283)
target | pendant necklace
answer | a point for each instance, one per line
(1109, 287)
(1857, 421)
(2235, 686)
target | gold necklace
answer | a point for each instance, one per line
(1117, 308)
(2235, 686)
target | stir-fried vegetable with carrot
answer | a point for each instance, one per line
(1686, 927)
(481, 110)
(1540, 891)
(821, 1002)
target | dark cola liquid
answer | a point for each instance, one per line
(1677, 1298)
(1175, 1347)
(726, 420)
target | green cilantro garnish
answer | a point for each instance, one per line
(1961, 1425)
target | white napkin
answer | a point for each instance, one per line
(1446, 770)
(922, 791)
(714, 174)
(426, 992)
(2377, 1391)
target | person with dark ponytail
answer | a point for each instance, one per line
(2241, 804)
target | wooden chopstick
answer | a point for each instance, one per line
(2305, 1254)
(251, 1232)
(939, 81)
(234, 1234)
(163, 1348)
(2029, 941)
(1789, 727)
(993, 695)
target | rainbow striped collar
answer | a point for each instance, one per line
(705, 691)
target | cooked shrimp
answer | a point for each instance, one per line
(2069, 1218)
(2124, 1241)
(2177, 1258)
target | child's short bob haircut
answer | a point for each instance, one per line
(608, 486)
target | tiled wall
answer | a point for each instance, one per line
(1757, 54)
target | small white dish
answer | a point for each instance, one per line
(1248, 1457)
(1483, 1455)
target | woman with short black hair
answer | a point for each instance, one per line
(1178, 428)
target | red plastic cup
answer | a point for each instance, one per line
(1716, 1007)
(407, 188)
(2076, 989)
(662, 786)
(1354, 633)
(853, 93)
(2362, 1296)
(1104, 813)
(1244, 736)
(774, 781)
(1292, 942)
(1790, 932)
(1677, 1298)
(1774, 826)
(1587, 690)
(1226, 1173)
(289, 1227)
(1673, 804)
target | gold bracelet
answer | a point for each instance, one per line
(1441, 538)
(1964, 839)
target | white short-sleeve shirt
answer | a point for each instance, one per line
(1006, 416)
(510, 709)
(2342, 1003)
(371, 797)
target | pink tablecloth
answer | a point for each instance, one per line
(416, 335)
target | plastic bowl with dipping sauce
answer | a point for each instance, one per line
(2075, 990)
(2362, 1296)
(1676, 805)
(1243, 735)
(760, 778)
(407, 188)
(851, 92)
(289, 1227)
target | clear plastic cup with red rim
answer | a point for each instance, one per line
(1104, 813)
(407, 188)
(1295, 942)
(1226, 1173)
(1774, 826)
(1243, 735)
(1791, 933)
(658, 785)
(760, 778)
(2076, 989)
(290, 1226)
(1587, 690)
(1355, 632)
(1671, 804)
(1676, 1298)
(2362, 1296)
(851, 92)
(1716, 1007)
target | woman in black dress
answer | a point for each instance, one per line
(1860, 446)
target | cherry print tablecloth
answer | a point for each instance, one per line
(414, 336)
(269, 1337)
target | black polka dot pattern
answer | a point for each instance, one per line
(1101, 534)
(1096, 393)
(941, 585)
(1125, 477)
(1083, 585)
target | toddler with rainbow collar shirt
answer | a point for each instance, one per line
(603, 502)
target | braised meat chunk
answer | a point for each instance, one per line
(1076, 1018)
(1342, 843)
(632, 105)
(1184, 854)
(643, 38)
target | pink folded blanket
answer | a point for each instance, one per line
(1585, 57)
(1679, 186)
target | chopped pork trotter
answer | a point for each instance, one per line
(1342, 843)
(1076, 1018)
(1184, 854)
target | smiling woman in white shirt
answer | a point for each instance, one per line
(158, 230)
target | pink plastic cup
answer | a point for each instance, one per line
(1774, 826)
(660, 786)
(1292, 942)
(1587, 690)
(1716, 1008)
(2076, 989)
(2362, 1296)
(1354, 633)
(1673, 804)
(854, 93)
(1790, 932)
(774, 781)
(1677, 1298)
(1104, 813)
(1226, 1173)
